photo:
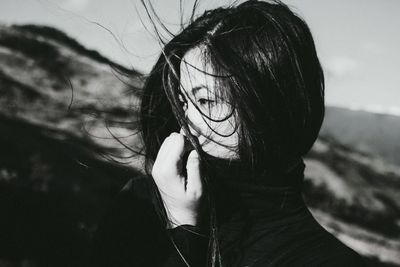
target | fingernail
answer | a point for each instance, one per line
(193, 154)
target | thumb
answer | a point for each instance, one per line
(194, 184)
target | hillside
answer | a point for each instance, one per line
(60, 106)
(48, 81)
(376, 134)
(355, 196)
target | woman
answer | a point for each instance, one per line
(229, 109)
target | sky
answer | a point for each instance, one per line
(356, 40)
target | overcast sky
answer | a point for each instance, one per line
(357, 40)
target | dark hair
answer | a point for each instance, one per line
(267, 67)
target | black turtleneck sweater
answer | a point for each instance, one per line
(261, 222)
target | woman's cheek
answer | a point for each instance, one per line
(224, 146)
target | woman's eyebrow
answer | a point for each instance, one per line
(198, 88)
(195, 89)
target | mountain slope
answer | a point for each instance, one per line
(372, 133)
(80, 93)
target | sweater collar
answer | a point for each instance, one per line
(261, 198)
(233, 172)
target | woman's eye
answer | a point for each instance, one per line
(204, 101)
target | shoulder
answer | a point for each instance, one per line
(336, 253)
(325, 249)
(309, 244)
(325, 253)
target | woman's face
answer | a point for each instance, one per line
(217, 138)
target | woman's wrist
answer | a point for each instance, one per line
(182, 218)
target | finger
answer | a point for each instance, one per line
(176, 156)
(163, 150)
(188, 146)
(168, 165)
(194, 187)
(169, 148)
(161, 167)
(177, 146)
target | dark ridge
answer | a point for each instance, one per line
(42, 159)
(8, 82)
(59, 36)
(377, 222)
(45, 55)
(53, 191)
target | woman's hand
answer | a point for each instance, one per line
(181, 196)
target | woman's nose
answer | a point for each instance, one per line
(191, 130)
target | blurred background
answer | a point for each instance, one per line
(70, 71)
